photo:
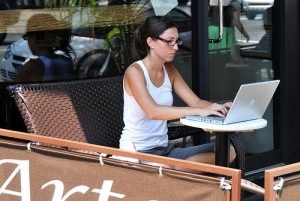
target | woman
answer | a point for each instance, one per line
(148, 86)
(52, 36)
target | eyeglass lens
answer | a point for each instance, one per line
(171, 42)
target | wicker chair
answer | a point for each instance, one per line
(86, 111)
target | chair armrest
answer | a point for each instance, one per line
(177, 130)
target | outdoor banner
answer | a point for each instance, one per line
(59, 175)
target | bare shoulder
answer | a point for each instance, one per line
(133, 71)
(172, 71)
(33, 70)
(34, 64)
(134, 68)
(134, 78)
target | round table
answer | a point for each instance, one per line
(222, 134)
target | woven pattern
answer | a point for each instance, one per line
(239, 147)
(176, 132)
(85, 111)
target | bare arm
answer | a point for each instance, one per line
(191, 99)
(135, 85)
(238, 24)
(183, 90)
(33, 71)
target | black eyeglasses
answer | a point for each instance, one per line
(170, 42)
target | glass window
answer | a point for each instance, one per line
(102, 34)
(242, 56)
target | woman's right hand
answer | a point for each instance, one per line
(215, 109)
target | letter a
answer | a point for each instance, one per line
(23, 168)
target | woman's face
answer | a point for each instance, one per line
(166, 44)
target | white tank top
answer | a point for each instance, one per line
(143, 132)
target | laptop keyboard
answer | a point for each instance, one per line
(208, 119)
(215, 117)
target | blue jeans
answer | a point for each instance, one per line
(181, 153)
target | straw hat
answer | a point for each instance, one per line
(48, 29)
(40, 22)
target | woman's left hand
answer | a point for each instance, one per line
(227, 105)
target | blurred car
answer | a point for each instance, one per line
(255, 7)
(87, 51)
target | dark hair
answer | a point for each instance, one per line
(152, 27)
(51, 32)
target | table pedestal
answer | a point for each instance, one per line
(223, 149)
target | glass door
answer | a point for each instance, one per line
(240, 51)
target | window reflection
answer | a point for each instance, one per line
(244, 54)
(101, 35)
(244, 61)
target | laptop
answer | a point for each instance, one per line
(250, 103)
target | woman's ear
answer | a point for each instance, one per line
(150, 42)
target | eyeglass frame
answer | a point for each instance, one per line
(170, 42)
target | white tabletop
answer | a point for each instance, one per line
(240, 126)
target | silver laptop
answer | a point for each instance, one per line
(250, 103)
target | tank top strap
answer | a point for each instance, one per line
(167, 79)
(146, 75)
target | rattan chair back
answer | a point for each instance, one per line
(85, 110)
